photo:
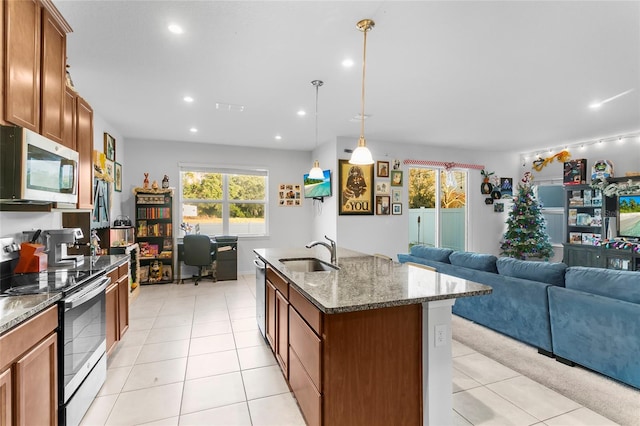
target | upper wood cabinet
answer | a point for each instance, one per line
(84, 146)
(53, 78)
(34, 66)
(69, 129)
(22, 62)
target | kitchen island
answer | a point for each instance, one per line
(368, 343)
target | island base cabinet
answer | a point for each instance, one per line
(372, 369)
(308, 397)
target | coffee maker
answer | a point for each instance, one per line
(57, 241)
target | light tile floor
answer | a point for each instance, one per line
(193, 356)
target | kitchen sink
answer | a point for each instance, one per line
(308, 264)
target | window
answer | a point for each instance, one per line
(222, 201)
(438, 207)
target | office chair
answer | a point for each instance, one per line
(199, 251)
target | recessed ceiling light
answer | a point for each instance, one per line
(175, 28)
(193, 130)
(278, 137)
(301, 113)
(229, 107)
(347, 63)
(188, 99)
(358, 118)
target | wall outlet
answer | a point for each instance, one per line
(441, 335)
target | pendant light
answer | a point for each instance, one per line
(362, 155)
(316, 171)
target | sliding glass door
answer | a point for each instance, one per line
(438, 207)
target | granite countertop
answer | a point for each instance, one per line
(367, 282)
(16, 309)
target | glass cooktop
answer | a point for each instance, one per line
(42, 282)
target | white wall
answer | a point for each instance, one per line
(288, 226)
(389, 234)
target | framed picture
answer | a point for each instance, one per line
(356, 188)
(383, 187)
(289, 195)
(498, 207)
(382, 168)
(396, 208)
(396, 196)
(109, 169)
(396, 177)
(506, 187)
(109, 147)
(117, 178)
(382, 204)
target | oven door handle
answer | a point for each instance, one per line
(87, 294)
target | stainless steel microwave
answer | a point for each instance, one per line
(34, 168)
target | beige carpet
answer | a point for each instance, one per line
(607, 397)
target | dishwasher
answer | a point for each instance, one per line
(260, 294)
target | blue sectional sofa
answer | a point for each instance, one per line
(518, 305)
(595, 321)
(590, 316)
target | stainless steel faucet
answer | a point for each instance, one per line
(331, 248)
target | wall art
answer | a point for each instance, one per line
(356, 188)
(289, 195)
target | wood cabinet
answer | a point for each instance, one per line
(52, 78)
(29, 372)
(362, 367)
(34, 66)
(6, 400)
(84, 146)
(278, 318)
(22, 56)
(117, 305)
(70, 118)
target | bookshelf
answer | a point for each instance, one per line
(587, 213)
(154, 234)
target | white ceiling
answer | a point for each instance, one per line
(492, 75)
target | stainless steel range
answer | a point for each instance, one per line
(82, 363)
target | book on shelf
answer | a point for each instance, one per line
(597, 238)
(572, 219)
(576, 199)
(586, 197)
(584, 219)
(165, 254)
(596, 200)
(587, 238)
(596, 220)
(575, 237)
(143, 274)
(166, 272)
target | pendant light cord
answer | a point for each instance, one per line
(317, 87)
(364, 66)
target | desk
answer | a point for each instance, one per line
(226, 263)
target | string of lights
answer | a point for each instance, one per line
(622, 138)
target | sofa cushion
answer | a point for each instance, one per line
(545, 272)
(431, 253)
(481, 262)
(622, 285)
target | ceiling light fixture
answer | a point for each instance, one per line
(362, 155)
(188, 99)
(316, 171)
(596, 105)
(193, 130)
(347, 63)
(277, 137)
(301, 113)
(175, 28)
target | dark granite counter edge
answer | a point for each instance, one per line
(6, 325)
(364, 307)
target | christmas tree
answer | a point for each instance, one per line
(526, 235)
